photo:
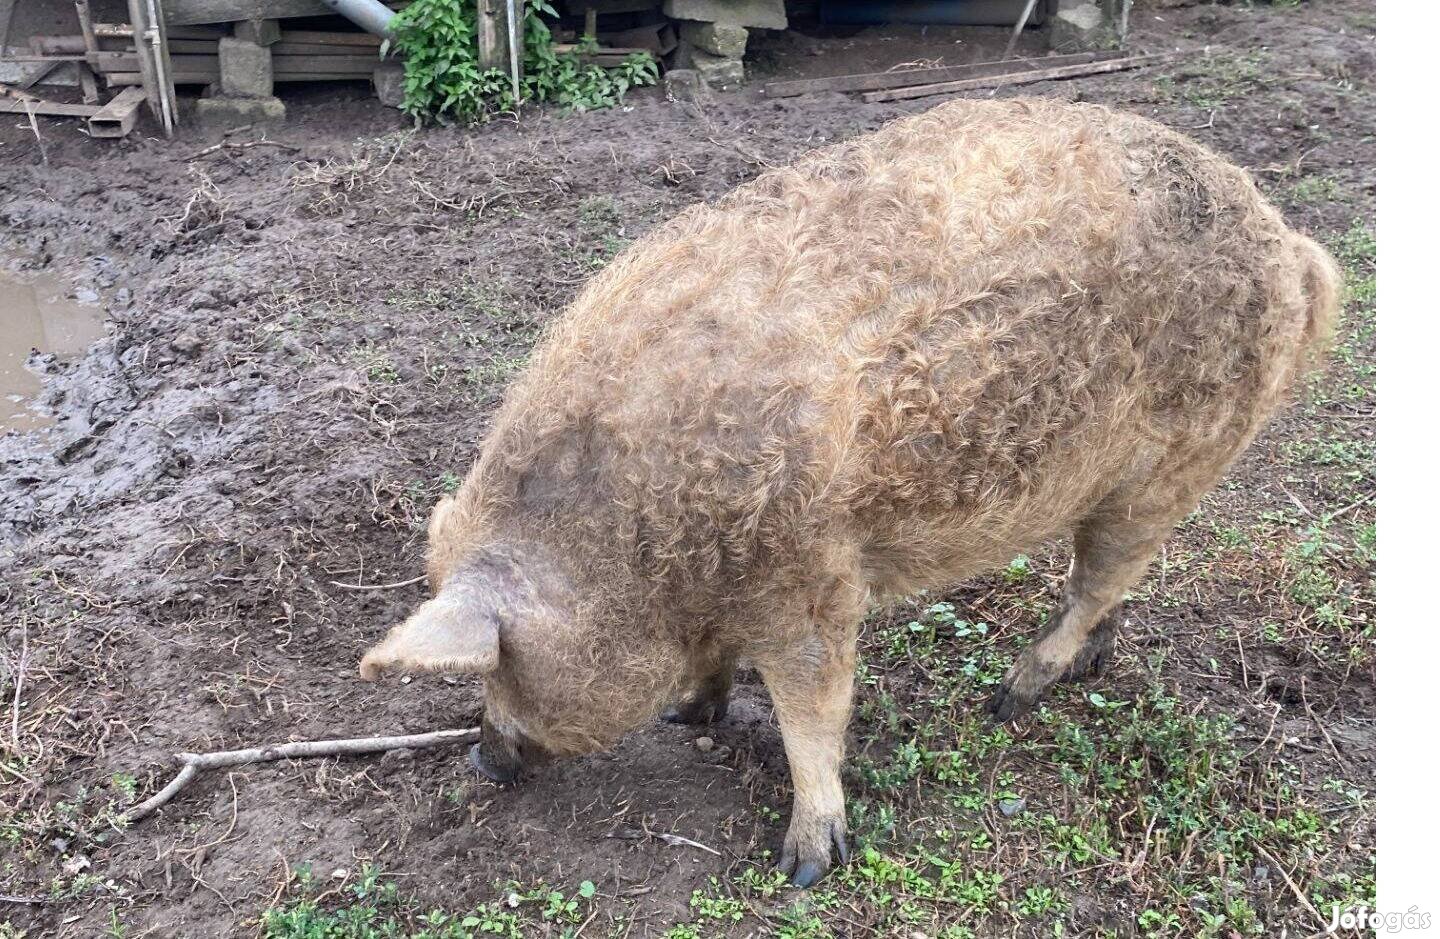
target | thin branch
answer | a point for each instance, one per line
(21, 664)
(1299, 894)
(192, 764)
(402, 583)
(227, 145)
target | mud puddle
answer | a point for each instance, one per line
(36, 313)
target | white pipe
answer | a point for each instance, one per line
(370, 15)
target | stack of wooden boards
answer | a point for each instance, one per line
(299, 55)
(116, 118)
(902, 84)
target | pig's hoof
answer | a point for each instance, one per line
(699, 711)
(499, 770)
(1021, 690)
(1095, 655)
(806, 856)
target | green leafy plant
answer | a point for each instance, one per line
(444, 80)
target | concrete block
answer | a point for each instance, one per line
(224, 113)
(756, 14)
(716, 71)
(716, 38)
(245, 69)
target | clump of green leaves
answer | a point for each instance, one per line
(444, 80)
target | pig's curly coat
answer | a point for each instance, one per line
(895, 364)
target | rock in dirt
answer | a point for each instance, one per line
(704, 744)
(225, 113)
(185, 345)
(683, 84)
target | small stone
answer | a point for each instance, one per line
(1011, 807)
(1088, 24)
(716, 38)
(87, 294)
(704, 744)
(339, 873)
(389, 82)
(245, 69)
(225, 113)
(185, 344)
(683, 84)
(75, 865)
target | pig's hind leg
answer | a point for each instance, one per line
(710, 701)
(1112, 549)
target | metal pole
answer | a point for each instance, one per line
(1019, 28)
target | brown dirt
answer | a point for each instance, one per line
(307, 340)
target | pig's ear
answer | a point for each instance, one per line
(449, 633)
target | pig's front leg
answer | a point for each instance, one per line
(812, 689)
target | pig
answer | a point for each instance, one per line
(892, 366)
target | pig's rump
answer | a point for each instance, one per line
(951, 339)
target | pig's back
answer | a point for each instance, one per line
(964, 329)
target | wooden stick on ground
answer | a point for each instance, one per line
(1018, 78)
(193, 764)
(906, 77)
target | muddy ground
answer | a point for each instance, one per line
(307, 336)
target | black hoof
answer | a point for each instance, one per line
(805, 871)
(807, 874)
(1006, 704)
(1094, 658)
(700, 711)
(498, 768)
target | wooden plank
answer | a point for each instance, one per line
(193, 47)
(321, 77)
(105, 62)
(88, 89)
(492, 36)
(126, 79)
(329, 39)
(46, 108)
(117, 118)
(7, 10)
(36, 71)
(902, 78)
(192, 12)
(123, 31)
(1018, 78)
(320, 49)
(359, 64)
